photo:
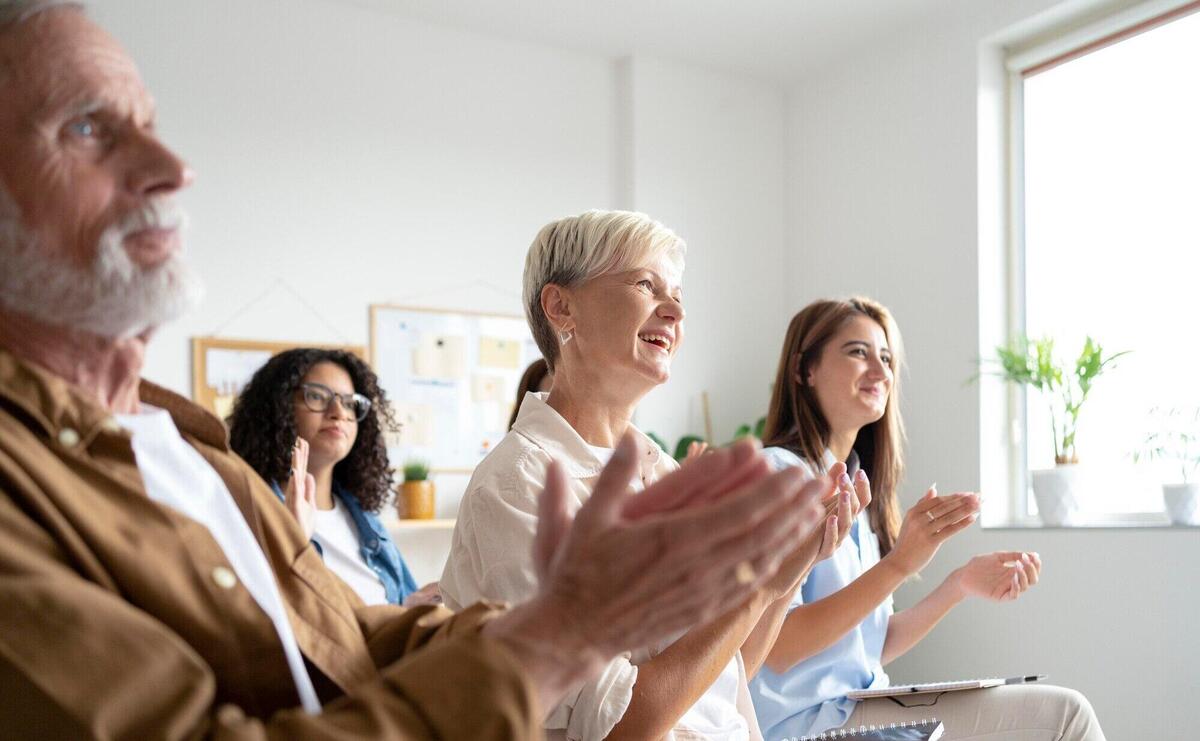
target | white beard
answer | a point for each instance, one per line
(113, 297)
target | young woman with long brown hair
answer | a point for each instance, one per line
(835, 402)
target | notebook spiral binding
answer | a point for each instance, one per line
(850, 733)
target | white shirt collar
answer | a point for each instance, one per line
(545, 428)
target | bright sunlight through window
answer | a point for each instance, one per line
(1112, 251)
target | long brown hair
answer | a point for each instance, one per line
(795, 420)
(530, 380)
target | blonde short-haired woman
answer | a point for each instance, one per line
(604, 299)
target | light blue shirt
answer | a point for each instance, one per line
(811, 696)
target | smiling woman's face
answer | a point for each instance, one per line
(628, 325)
(852, 377)
(331, 433)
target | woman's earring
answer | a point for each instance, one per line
(564, 336)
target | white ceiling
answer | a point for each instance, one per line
(771, 39)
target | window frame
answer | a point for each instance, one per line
(1054, 37)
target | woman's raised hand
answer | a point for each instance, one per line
(812, 549)
(928, 524)
(430, 594)
(300, 495)
(999, 576)
(695, 449)
(842, 504)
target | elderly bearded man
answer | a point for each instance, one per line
(151, 586)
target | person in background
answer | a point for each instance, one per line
(604, 300)
(320, 414)
(151, 584)
(537, 377)
(835, 402)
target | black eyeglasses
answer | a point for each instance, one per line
(317, 397)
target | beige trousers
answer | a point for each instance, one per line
(1026, 712)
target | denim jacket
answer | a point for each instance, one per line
(376, 547)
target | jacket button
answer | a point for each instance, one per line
(224, 578)
(68, 437)
(373, 544)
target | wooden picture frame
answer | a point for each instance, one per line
(450, 407)
(221, 367)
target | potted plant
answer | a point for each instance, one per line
(746, 430)
(1177, 441)
(416, 493)
(1033, 364)
(685, 442)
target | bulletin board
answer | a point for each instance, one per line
(451, 377)
(221, 367)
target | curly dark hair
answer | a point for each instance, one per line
(262, 428)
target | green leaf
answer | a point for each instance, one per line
(415, 469)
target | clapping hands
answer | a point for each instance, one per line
(928, 524)
(842, 504)
(629, 570)
(999, 576)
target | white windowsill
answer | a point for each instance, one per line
(1121, 521)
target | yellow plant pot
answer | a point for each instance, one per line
(416, 500)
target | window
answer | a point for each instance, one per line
(1104, 214)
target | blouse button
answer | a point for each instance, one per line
(68, 438)
(224, 578)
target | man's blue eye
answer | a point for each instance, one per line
(84, 127)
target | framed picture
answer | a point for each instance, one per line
(451, 377)
(221, 367)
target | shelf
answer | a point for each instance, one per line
(398, 524)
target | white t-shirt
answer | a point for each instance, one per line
(335, 531)
(176, 475)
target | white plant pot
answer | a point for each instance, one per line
(1054, 491)
(1182, 503)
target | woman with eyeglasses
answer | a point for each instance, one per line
(311, 422)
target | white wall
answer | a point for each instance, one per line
(882, 201)
(360, 158)
(708, 159)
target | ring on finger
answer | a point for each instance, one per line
(744, 573)
(929, 515)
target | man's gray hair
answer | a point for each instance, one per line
(13, 12)
(576, 249)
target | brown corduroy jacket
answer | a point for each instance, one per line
(118, 619)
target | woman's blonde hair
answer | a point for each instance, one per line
(795, 420)
(575, 249)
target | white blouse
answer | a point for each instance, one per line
(491, 558)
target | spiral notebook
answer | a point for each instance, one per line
(922, 730)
